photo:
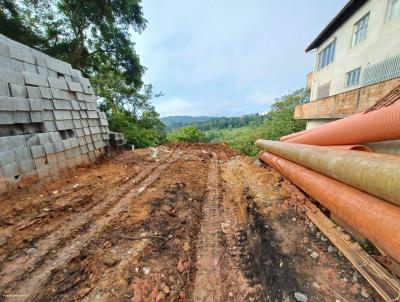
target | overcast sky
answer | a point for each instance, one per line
(228, 57)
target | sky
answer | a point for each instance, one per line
(228, 57)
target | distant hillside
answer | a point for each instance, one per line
(174, 122)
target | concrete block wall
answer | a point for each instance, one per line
(49, 121)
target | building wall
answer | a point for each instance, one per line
(380, 43)
(49, 121)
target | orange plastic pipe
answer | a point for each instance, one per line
(377, 220)
(379, 125)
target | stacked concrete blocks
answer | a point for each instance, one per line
(49, 121)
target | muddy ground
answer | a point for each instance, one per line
(173, 223)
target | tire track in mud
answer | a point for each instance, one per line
(207, 285)
(27, 274)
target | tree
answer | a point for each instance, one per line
(187, 134)
(95, 37)
(280, 119)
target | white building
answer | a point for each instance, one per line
(359, 47)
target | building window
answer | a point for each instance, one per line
(394, 9)
(327, 55)
(323, 91)
(353, 77)
(360, 30)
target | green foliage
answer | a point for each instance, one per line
(147, 130)
(95, 37)
(278, 122)
(280, 119)
(209, 123)
(187, 134)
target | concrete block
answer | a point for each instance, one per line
(52, 74)
(17, 141)
(4, 50)
(40, 162)
(33, 92)
(66, 104)
(21, 117)
(47, 104)
(69, 153)
(83, 106)
(66, 114)
(67, 144)
(6, 118)
(76, 115)
(18, 90)
(58, 115)
(83, 114)
(59, 146)
(42, 71)
(80, 96)
(78, 124)
(63, 165)
(79, 132)
(22, 154)
(49, 126)
(92, 114)
(6, 63)
(15, 52)
(46, 92)
(57, 104)
(44, 173)
(27, 56)
(31, 140)
(27, 165)
(90, 99)
(5, 144)
(36, 117)
(75, 105)
(54, 171)
(77, 152)
(30, 67)
(55, 136)
(104, 122)
(74, 142)
(44, 138)
(61, 157)
(58, 83)
(20, 104)
(84, 149)
(6, 103)
(52, 159)
(41, 61)
(56, 93)
(35, 79)
(48, 115)
(17, 66)
(35, 104)
(60, 125)
(4, 90)
(90, 147)
(7, 157)
(75, 86)
(49, 148)
(37, 151)
(69, 124)
(8, 76)
(64, 95)
(11, 170)
(86, 131)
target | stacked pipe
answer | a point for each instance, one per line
(362, 188)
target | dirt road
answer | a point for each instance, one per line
(177, 223)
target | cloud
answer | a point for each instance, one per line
(228, 57)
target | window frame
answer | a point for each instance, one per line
(355, 39)
(350, 74)
(327, 55)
